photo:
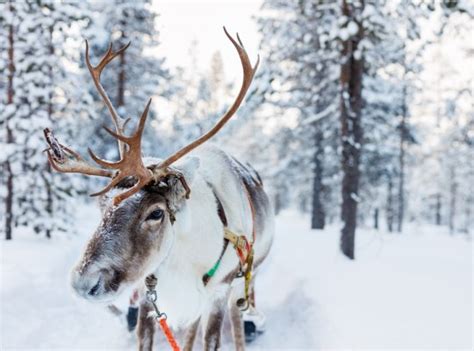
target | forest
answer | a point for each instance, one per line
(359, 121)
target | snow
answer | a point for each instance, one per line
(352, 28)
(327, 112)
(408, 291)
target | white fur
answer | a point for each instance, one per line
(192, 245)
(198, 237)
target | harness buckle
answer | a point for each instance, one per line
(151, 296)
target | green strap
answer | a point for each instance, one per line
(213, 270)
(210, 273)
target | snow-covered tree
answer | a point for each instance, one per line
(367, 54)
(39, 97)
(444, 118)
(298, 80)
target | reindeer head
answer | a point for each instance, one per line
(133, 237)
(140, 202)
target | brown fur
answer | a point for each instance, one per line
(191, 336)
(212, 329)
(237, 326)
(212, 336)
(125, 223)
(146, 327)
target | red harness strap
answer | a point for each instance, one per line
(243, 255)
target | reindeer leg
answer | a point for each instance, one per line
(191, 336)
(237, 327)
(146, 327)
(254, 321)
(212, 323)
(236, 322)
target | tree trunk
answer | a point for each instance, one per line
(438, 209)
(467, 214)
(122, 68)
(49, 202)
(389, 210)
(351, 134)
(318, 215)
(49, 194)
(9, 136)
(453, 200)
(277, 203)
(121, 82)
(376, 218)
(401, 184)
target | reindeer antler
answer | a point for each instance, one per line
(131, 163)
(65, 160)
(95, 72)
(248, 74)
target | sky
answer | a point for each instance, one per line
(180, 22)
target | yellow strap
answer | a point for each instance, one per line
(237, 240)
(231, 236)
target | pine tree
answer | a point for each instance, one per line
(39, 83)
(298, 73)
(443, 175)
(6, 108)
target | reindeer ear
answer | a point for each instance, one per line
(176, 193)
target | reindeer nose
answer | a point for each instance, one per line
(88, 285)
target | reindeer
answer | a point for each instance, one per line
(168, 219)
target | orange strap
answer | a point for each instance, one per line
(169, 335)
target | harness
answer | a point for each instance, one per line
(244, 251)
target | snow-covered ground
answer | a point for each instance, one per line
(410, 291)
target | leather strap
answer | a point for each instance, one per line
(221, 213)
(220, 210)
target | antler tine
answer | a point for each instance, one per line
(138, 133)
(103, 163)
(238, 39)
(77, 166)
(130, 164)
(134, 189)
(109, 56)
(120, 137)
(95, 72)
(248, 74)
(65, 160)
(109, 186)
(141, 123)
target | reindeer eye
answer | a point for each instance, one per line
(155, 215)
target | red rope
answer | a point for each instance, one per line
(168, 334)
